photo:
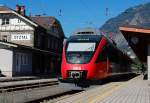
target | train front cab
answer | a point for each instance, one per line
(105, 61)
(96, 68)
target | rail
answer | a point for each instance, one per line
(11, 88)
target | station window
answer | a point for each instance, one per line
(52, 44)
(19, 21)
(5, 21)
(54, 29)
(24, 58)
(55, 44)
(48, 43)
(5, 38)
(38, 41)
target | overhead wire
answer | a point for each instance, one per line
(93, 15)
(43, 8)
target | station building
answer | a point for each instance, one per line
(29, 45)
(139, 40)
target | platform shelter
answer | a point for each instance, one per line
(139, 40)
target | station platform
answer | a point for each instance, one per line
(24, 78)
(135, 90)
(21, 78)
(18, 83)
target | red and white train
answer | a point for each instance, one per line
(88, 55)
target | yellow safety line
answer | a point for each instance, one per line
(111, 90)
(103, 92)
(107, 93)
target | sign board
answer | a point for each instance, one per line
(20, 37)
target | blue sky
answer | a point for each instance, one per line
(76, 13)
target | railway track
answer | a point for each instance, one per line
(58, 97)
(4, 79)
(41, 91)
(11, 88)
(70, 94)
(52, 91)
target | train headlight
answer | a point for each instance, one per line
(76, 68)
(75, 74)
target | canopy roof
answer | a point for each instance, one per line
(138, 38)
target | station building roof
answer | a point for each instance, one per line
(46, 22)
(23, 47)
(138, 39)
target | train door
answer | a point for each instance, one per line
(113, 59)
(102, 63)
(18, 58)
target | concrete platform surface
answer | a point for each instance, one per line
(22, 78)
(6, 79)
(15, 83)
(135, 90)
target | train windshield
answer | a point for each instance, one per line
(80, 52)
(82, 47)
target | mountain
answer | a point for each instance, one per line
(138, 15)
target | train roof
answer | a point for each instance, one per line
(91, 38)
(86, 34)
(85, 38)
(96, 38)
(87, 31)
(91, 31)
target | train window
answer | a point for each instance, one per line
(102, 55)
(112, 54)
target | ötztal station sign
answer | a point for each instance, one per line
(20, 37)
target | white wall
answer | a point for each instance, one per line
(6, 60)
(14, 21)
(15, 25)
(0, 21)
(148, 61)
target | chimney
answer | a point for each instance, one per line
(18, 9)
(22, 11)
